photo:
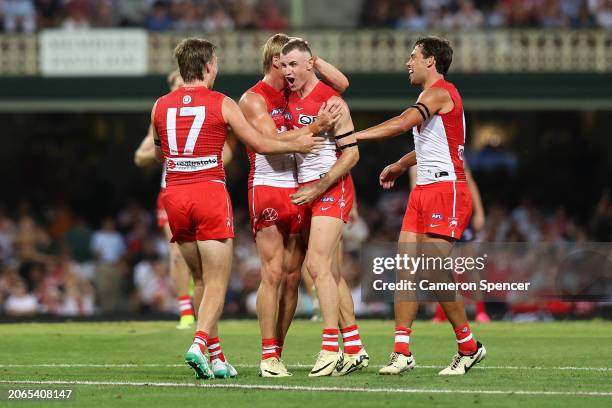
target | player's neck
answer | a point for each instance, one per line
(432, 80)
(274, 80)
(309, 85)
(198, 82)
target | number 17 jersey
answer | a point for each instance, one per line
(190, 125)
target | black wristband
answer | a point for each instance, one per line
(344, 134)
(348, 145)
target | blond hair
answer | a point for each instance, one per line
(173, 77)
(272, 48)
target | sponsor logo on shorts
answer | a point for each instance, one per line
(453, 222)
(186, 99)
(437, 217)
(306, 119)
(328, 199)
(325, 208)
(189, 164)
(269, 214)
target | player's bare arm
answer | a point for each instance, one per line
(145, 154)
(264, 143)
(393, 171)
(345, 140)
(254, 108)
(331, 75)
(430, 102)
(159, 154)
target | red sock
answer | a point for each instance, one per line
(185, 307)
(269, 348)
(439, 313)
(201, 339)
(402, 340)
(480, 307)
(330, 340)
(214, 349)
(351, 340)
(279, 347)
(465, 340)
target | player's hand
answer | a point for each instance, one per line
(330, 113)
(307, 194)
(478, 221)
(308, 143)
(390, 174)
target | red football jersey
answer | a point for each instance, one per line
(303, 111)
(276, 170)
(192, 131)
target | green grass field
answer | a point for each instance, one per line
(138, 364)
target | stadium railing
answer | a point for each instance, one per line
(371, 51)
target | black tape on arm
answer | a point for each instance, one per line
(348, 145)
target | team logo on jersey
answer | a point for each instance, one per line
(306, 119)
(269, 214)
(453, 222)
(437, 217)
(327, 200)
(186, 99)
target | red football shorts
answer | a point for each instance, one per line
(442, 208)
(162, 216)
(199, 211)
(336, 202)
(270, 205)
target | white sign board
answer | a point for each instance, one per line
(99, 52)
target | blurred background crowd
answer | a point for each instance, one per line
(274, 15)
(58, 263)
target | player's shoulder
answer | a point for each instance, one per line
(325, 91)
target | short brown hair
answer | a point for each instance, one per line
(440, 49)
(272, 48)
(192, 54)
(173, 77)
(296, 44)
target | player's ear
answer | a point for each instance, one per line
(310, 63)
(276, 61)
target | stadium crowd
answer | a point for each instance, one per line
(56, 263)
(223, 15)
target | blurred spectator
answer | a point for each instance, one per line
(468, 17)
(159, 19)
(411, 19)
(377, 14)
(77, 240)
(77, 15)
(153, 286)
(20, 302)
(48, 13)
(218, 20)
(603, 14)
(245, 15)
(271, 17)
(552, 15)
(19, 15)
(108, 247)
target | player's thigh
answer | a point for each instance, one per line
(216, 257)
(190, 253)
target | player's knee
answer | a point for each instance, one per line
(293, 280)
(272, 275)
(318, 265)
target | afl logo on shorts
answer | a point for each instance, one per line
(269, 214)
(436, 217)
(186, 99)
(170, 164)
(306, 120)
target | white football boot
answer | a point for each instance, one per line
(326, 363)
(273, 367)
(398, 363)
(461, 364)
(352, 363)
